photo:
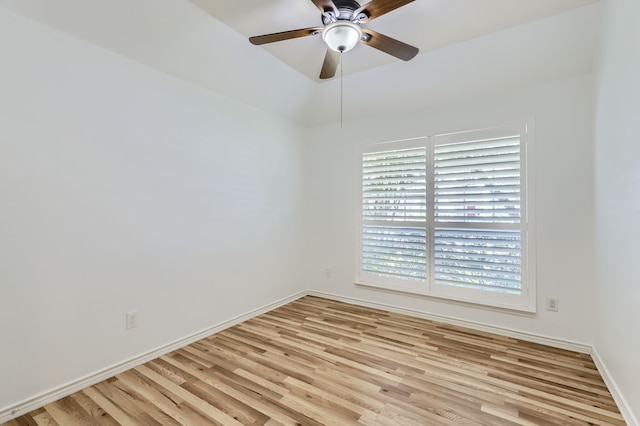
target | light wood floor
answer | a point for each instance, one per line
(320, 362)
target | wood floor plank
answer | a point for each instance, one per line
(26, 421)
(116, 412)
(45, 419)
(319, 362)
(173, 413)
(96, 412)
(194, 401)
(133, 409)
(67, 411)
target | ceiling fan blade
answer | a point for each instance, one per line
(324, 5)
(389, 45)
(330, 64)
(284, 35)
(377, 8)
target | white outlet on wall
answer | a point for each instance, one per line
(552, 304)
(327, 272)
(132, 319)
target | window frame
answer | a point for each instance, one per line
(526, 300)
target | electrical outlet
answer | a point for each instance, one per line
(132, 319)
(327, 272)
(552, 304)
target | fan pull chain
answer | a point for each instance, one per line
(341, 95)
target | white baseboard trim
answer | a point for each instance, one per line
(16, 410)
(620, 400)
(45, 398)
(528, 337)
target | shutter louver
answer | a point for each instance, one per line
(485, 260)
(394, 185)
(478, 181)
(398, 252)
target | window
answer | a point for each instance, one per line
(447, 216)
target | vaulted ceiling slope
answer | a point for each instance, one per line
(548, 49)
(426, 24)
(466, 50)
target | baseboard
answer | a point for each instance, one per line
(528, 337)
(45, 398)
(620, 400)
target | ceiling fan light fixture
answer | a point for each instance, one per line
(342, 36)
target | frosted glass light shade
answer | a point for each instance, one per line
(342, 36)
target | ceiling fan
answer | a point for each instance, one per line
(342, 30)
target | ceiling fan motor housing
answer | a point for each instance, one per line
(344, 11)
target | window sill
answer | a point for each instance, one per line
(478, 304)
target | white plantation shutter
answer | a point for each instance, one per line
(397, 252)
(478, 181)
(482, 260)
(394, 209)
(447, 216)
(477, 184)
(394, 184)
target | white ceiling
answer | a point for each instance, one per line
(426, 24)
(469, 49)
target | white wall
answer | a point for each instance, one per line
(123, 188)
(563, 113)
(617, 199)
